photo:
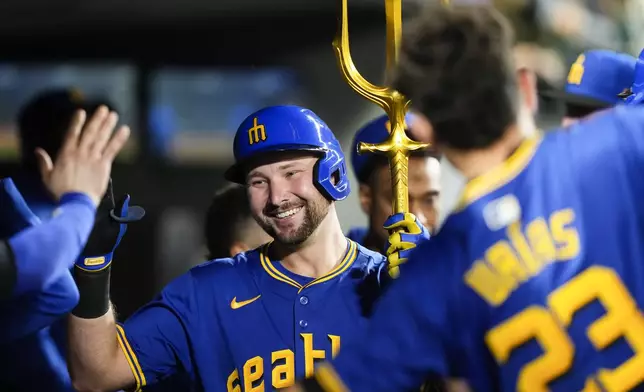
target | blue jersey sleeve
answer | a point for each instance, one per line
(44, 252)
(612, 142)
(156, 340)
(410, 335)
(30, 313)
(631, 143)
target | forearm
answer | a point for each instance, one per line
(41, 253)
(96, 359)
(94, 354)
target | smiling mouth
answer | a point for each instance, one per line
(288, 213)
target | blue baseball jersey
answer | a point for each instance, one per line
(33, 342)
(247, 323)
(536, 281)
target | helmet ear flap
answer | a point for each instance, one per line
(330, 176)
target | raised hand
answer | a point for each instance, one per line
(84, 162)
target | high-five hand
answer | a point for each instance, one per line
(85, 160)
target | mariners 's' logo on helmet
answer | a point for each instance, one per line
(256, 133)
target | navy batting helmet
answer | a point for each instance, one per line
(291, 128)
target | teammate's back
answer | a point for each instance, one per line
(532, 282)
(555, 254)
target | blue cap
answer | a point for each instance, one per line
(637, 89)
(376, 131)
(597, 78)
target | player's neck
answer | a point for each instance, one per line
(477, 162)
(320, 253)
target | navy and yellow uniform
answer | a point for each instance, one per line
(246, 323)
(535, 282)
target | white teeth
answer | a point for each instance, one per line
(288, 213)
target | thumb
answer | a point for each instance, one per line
(45, 164)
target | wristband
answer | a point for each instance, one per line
(93, 286)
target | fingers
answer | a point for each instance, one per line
(398, 247)
(97, 140)
(404, 221)
(399, 242)
(45, 164)
(412, 239)
(92, 129)
(399, 257)
(116, 143)
(102, 136)
(71, 138)
(396, 260)
(393, 220)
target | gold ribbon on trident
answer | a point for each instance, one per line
(398, 146)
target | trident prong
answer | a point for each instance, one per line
(398, 146)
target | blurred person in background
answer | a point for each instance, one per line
(597, 80)
(265, 316)
(42, 123)
(42, 126)
(241, 233)
(375, 193)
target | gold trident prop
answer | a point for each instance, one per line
(398, 146)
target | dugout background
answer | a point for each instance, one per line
(184, 73)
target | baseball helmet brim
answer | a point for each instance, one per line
(574, 99)
(237, 172)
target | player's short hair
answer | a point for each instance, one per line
(226, 220)
(456, 66)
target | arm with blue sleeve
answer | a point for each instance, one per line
(38, 255)
(409, 337)
(152, 345)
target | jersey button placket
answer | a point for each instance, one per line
(303, 302)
